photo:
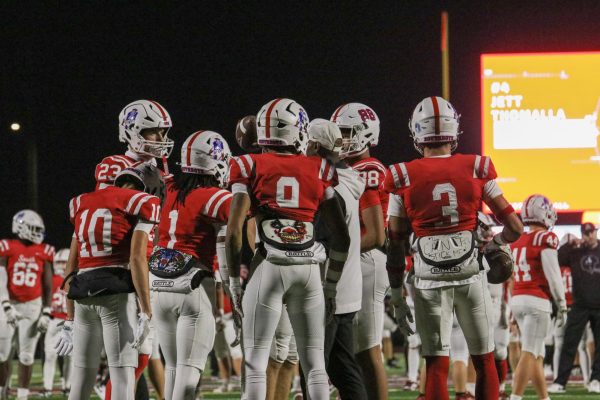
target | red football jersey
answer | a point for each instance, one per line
(104, 221)
(109, 168)
(59, 299)
(291, 185)
(565, 272)
(529, 275)
(373, 172)
(190, 227)
(25, 267)
(441, 194)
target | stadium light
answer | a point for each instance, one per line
(15, 127)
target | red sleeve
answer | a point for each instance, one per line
(240, 170)
(369, 198)
(373, 174)
(396, 178)
(4, 248)
(73, 208)
(327, 173)
(144, 206)
(217, 206)
(484, 169)
(48, 253)
(549, 240)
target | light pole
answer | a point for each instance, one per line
(32, 167)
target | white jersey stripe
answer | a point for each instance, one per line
(331, 172)
(249, 161)
(373, 164)
(214, 198)
(133, 200)
(394, 171)
(219, 203)
(140, 204)
(322, 168)
(404, 174)
(476, 167)
(486, 167)
(242, 167)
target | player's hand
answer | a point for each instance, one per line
(561, 317)
(402, 313)
(44, 321)
(64, 344)
(141, 331)
(12, 315)
(236, 302)
(330, 291)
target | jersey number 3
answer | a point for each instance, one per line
(450, 210)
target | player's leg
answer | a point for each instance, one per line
(87, 346)
(118, 314)
(28, 337)
(156, 369)
(501, 340)
(279, 352)
(459, 356)
(195, 339)
(559, 336)
(166, 309)
(389, 326)
(287, 372)
(262, 304)
(304, 299)
(413, 356)
(221, 350)
(433, 317)
(369, 323)
(7, 332)
(576, 321)
(50, 355)
(473, 306)
(235, 352)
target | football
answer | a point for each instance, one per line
(501, 265)
(245, 134)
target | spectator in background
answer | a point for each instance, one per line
(582, 256)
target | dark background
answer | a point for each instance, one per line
(68, 68)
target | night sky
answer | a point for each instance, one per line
(69, 67)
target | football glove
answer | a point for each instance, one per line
(64, 344)
(44, 321)
(141, 331)
(12, 315)
(561, 317)
(330, 291)
(401, 311)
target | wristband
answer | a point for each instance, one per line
(338, 255)
(505, 213)
(333, 276)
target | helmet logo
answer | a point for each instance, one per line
(130, 118)
(366, 114)
(302, 123)
(418, 127)
(217, 151)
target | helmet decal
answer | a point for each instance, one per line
(217, 151)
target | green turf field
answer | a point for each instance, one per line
(574, 391)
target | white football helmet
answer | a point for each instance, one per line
(60, 261)
(359, 125)
(538, 209)
(434, 120)
(29, 225)
(206, 153)
(484, 232)
(140, 115)
(282, 122)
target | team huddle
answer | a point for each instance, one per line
(282, 258)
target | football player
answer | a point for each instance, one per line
(360, 127)
(26, 294)
(285, 189)
(195, 210)
(536, 280)
(112, 228)
(59, 315)
(439, 196)
(144, 126)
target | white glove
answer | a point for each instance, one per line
(561, 317)
(44, 321)
(330, 291)
(64, 344)
(401, 311)
(236, 302)
(141, 330)
(12, 315)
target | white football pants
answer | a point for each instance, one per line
(185, 327)
(50, 357)
(225, 337)
(299, 287)
(26, 332)
(283, 347)
(533, 325)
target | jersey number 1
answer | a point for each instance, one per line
(90, 237)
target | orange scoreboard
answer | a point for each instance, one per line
(540, 125)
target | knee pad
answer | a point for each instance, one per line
(26, 358)
(500, 353)
(236, 352)
(317, 376)
(414, 341)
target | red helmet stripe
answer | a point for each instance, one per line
(161, 109)
(188, 157)
(336, 113)
(268, 118)
(436, 112)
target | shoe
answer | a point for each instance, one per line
(46, 394)
(411, 386)
(548, 371)
(100, 390)
(504, 396)
(594, 386)
(556, 388)
(392, 363)
(224, 388)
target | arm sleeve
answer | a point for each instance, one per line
(491, 190)
(396, 206)
(552, 273)
(144, 226)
